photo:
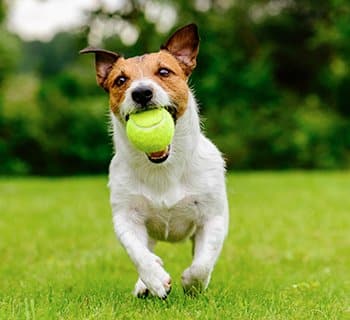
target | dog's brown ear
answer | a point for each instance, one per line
(184, 46)
(104, 61)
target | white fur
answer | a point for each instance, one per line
(183, 197)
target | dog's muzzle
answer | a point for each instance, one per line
(143, 98)
(142, 95)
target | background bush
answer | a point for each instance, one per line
(272, 80)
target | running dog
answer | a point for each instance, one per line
(174, 194)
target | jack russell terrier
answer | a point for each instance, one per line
(173, 194)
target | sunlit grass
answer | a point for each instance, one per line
(287, 255)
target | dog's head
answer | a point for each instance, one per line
(154, 79)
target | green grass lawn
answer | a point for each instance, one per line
(287, 255)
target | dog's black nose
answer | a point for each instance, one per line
(142, 95)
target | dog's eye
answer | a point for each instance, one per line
(164, 72)
(120, 81)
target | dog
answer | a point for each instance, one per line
(174, 194)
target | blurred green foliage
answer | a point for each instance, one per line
(273, 83)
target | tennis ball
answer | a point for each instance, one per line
(150, 131)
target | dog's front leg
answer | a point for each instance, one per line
(208, 242)
(133, 236)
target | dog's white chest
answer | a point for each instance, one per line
(173, 223)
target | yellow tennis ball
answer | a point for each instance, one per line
(150, 131)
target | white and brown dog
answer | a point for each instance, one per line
(173, 194)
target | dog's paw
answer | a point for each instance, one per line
(140, 290)
(153, 278)
(195, 279)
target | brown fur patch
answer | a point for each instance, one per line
(147, 66)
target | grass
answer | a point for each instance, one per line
(287, 255)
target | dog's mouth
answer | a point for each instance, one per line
(172, 109)
(159, 156)
(163, 155)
